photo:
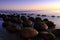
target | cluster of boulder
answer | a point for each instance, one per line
(29, 28)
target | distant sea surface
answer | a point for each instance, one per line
(49, 13)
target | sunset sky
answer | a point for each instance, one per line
(30, 4)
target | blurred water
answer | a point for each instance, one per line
(4, 35)
(41, 12)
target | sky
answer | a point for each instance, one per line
(30, 4)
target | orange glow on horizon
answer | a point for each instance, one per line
(38, 7)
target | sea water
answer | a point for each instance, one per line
(49, 13)
(4, 35)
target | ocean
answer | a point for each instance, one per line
(4, 35)
(49, 13)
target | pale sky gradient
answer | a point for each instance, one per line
(30, 4)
